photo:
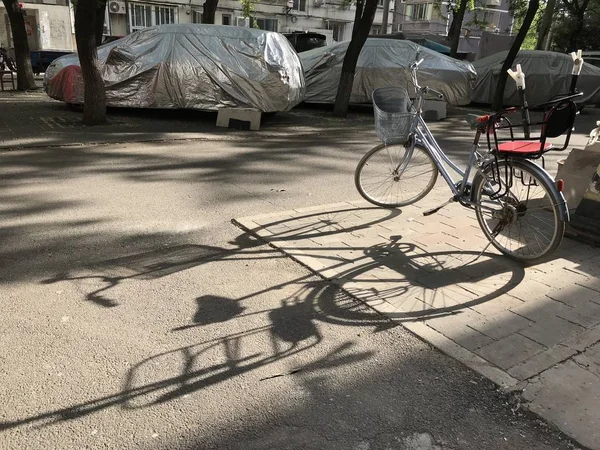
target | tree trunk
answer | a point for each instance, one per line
(25, 79)
(545, 25)
(100, 16)
(456, 27)
(576, 33)
(208, 11)
(363, 21)
(512, 54)
(94, 98)
(577, 11)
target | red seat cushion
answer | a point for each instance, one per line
(522, 147)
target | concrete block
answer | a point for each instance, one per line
(496, 305)
(590, 359)
(455, 327)
(583, 340)
(456, 351)
(500, 325)
(510, 351)
(568, 396)
(584, 313)
(243, 114)
(551, 331)
(540, 362)
(434, 109)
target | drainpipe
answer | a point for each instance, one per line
(386, 13)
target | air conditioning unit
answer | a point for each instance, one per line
(242, 22)
(116, 7)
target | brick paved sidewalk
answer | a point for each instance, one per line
(535, 329)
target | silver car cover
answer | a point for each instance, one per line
(193, 66)
(547, 75)
(382, 63)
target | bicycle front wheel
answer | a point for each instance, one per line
(518, 210)
(392, 176)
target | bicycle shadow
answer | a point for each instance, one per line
(397, 277)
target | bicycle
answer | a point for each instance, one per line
(519, 206)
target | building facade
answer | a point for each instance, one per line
(434, 18)
(49, 25)
(330, 17)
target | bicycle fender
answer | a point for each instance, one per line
(540, 172)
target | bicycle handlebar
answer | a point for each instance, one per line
(438, 93)
(413, 67)
(416, 64)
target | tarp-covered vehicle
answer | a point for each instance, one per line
(547, 76)
(382, 63)
(194, 66)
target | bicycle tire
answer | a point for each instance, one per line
(511, 220)
(381, 158)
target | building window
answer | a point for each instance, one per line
(417, 12)
(165, 15)
(226, 19)
(299, 5)
(338, 30)
(142, 16)
(196, 16)
(376, 29)
(267, 24)
(380, 2)
(139, 16)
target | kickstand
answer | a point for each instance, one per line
(480, 254)
(436, 209)
(496, 232)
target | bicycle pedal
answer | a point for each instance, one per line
(434, 210)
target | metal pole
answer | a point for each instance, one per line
(386, 13)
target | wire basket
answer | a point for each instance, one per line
(393, 114)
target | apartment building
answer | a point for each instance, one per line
(434, 18)
(331, 17)
(48, 23)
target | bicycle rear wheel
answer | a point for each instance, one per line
(391, 176)
(523, 222)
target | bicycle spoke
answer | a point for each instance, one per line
(523, 222)
(386, 177)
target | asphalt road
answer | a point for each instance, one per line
(135, 315)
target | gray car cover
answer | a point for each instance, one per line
(194, 66)
(547, 75)
(382, 63)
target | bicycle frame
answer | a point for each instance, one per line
(424, 137)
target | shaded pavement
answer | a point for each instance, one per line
(135, 315)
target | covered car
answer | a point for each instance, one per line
(382, 63)
(547, 75)
(194, 66)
